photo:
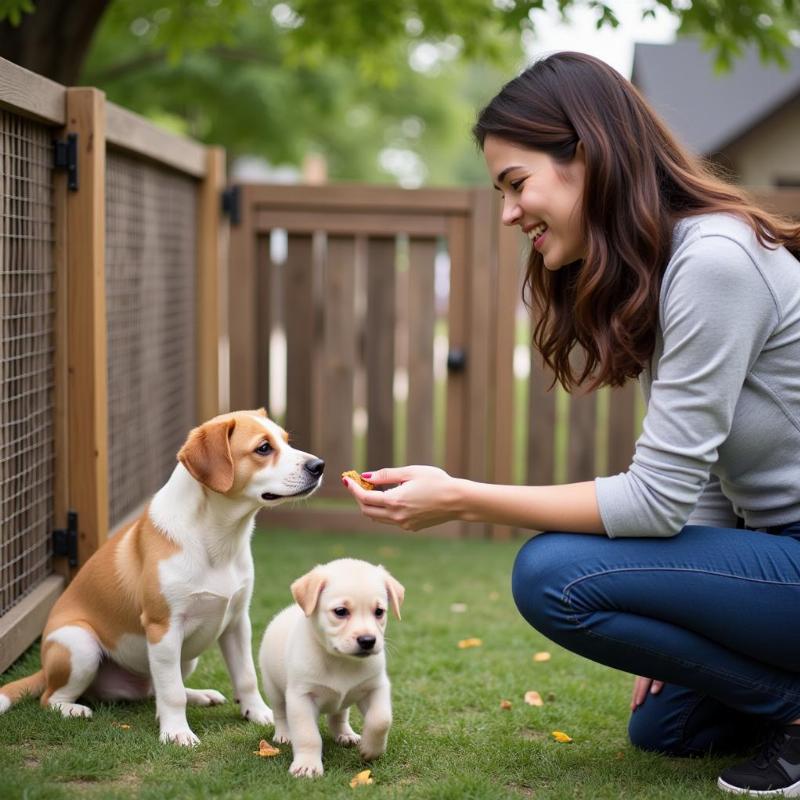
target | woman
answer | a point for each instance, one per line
(685, 568)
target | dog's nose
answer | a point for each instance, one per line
(366, 642)
(315, 466)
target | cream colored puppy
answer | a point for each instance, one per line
(327, 653)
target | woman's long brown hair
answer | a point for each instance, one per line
(638, 182)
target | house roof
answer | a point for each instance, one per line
(707, 110)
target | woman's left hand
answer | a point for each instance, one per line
(423, 496)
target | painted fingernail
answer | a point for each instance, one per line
(344, 481)
(366, 475)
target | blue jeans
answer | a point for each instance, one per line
(713, 612)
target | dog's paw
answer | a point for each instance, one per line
(258, 712)
(305, 767)
(204, 697)
(369, 752)
(182, 736)
(348, 739)
(281, 736)
(72, 709)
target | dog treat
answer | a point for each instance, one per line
(353, 475)
(266, 750)
(364, 778)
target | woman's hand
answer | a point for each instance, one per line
(641, 688)
(423, 496)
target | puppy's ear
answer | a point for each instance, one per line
(207, 455)
(262, 411)
(306, 590)
(395, 590)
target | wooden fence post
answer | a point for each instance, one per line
(87, 403)
(242, 299)
(210, 243)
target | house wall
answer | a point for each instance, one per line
(769, 154)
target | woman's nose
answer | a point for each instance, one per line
(511, 213)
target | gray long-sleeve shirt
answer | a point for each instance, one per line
(721, 434)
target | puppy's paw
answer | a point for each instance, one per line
(257, 711)
(348, 738)
(371, 750)
(306, 767)
(182, 736)
(281, 736)
(204, 697)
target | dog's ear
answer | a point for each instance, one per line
(395, 590)
(262, 411)
(207, 454)
(306, 590)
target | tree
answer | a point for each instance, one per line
(382, 88)
(52, 37)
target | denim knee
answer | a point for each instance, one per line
(654, 734)
(544, 566)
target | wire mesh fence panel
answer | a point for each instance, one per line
(151, 222)
(27, 350)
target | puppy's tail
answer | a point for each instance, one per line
(13, 692)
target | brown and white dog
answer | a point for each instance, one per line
(144, 607)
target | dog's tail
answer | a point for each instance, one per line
(13, 692)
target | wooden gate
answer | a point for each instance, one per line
(385, 299)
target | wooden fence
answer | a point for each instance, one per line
(110, 273)
(396, 321)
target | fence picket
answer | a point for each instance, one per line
(299, 320)
(421, 318)
(380, 346)
(338, 359)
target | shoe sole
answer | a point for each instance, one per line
(787, 791)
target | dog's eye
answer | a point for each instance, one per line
(379, 612)
(264, 449)
(341, 612)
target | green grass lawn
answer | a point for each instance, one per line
(450, 737)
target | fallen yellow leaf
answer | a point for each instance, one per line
(266, 750)
(543, 656)
(505, 705)
(464, 643)
(122, 725)
(562, 737)
(362, 779)
(533, 699)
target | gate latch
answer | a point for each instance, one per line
(65, 540)
(65, 156)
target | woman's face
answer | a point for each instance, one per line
(542, 196)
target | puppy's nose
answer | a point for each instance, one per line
(315, 466)
(366, 642)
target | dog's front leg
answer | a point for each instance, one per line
(303, 717)
(236, 645)
(164, 655)
(377, 710)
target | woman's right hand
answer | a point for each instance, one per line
(641, 688)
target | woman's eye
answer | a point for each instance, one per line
(379, 612)
(516, 185)
(341, 612)
(265, 448)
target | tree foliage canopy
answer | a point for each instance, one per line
(362, 81)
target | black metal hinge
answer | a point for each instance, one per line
(65, 156)
(231, 204)
(65, 540)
